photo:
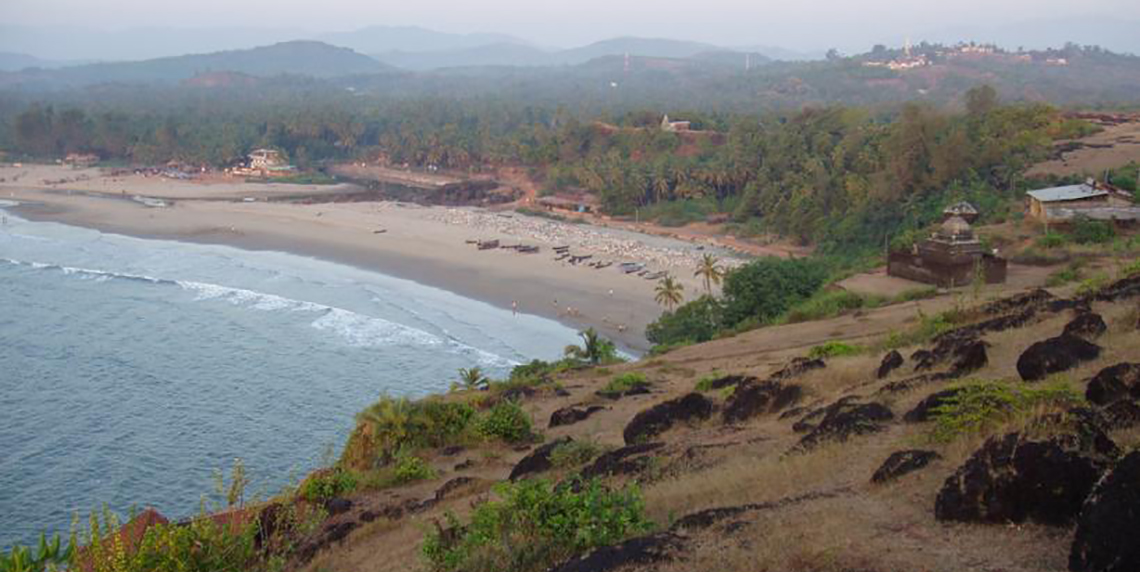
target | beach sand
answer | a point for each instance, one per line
(424, 244)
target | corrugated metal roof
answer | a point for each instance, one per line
(1066, 193)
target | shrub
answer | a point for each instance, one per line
(979, 407)
(410, 468)
(764, 288)
(574, 453)
(329, 484)
(1086, 231)
(535, 526)
(201, 546)
(47, 556)
(1070, 273)
(506, 421)
(1051, 240)
(693, 322)
(833, 349)
(623, 383)
(705, 383)
(1092, 284)
(395, 424)
(825, 304)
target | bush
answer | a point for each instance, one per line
(833, 349)
(506, 421)
(1051, 240)
(1071, 273)
(326, 485)
(1087, 231)
(623, 383)
(980, 407)
(826, 305)
(410, 468)
(396, 424)
(47, 556)
(765, 288)
(535, 526)
(574, 453)
(691, 323)
(201, 546)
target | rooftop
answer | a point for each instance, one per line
(1067, 193)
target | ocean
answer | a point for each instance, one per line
(132, 369)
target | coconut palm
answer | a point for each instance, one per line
(389, 420)
(709, 269)
(594, 349)
(473, 379)
(670, 293)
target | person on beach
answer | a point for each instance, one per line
(515, 307)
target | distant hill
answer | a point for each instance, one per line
(645, 47)
(384, 39)
(10, 61)
(303, 58)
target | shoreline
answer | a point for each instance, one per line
(427, 245)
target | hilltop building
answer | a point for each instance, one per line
(1091, 200)
(674, 126)
(952, 256)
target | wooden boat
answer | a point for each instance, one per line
(488, 244)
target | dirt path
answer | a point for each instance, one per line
(1114, 147)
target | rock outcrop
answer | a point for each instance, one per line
(538, 460)
(841, 420)
(572, 414)
(1114, 383)
(752, 399)
(1106, 538)
(1053, 355)
(661, 417)
(891, 362)
(901, 463)
(925, 408)
(1014, 479)
(1086, 325)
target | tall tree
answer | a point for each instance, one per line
(669, 293)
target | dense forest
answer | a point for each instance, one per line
(828, 176)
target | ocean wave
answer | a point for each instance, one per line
(356, 329)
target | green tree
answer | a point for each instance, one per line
(594, 349)
(709, 270)
(669, 293)
(473, 379)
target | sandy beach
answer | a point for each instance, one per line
(430, 245)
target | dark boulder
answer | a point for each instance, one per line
(753, 399)
(658, 547)
(969, 357)
(464, 465)
(337, 506)
(901, 463)
(891, 362)
(731, 380)
(1122, 414)
(1124, 288)
(844, 419)
(923, 411)
(627, 460)
(661, 417)
(1053, 355)
(796, 368)
(1086, 325)
(1106, 538)
(538, 460)
(451, 486)
(1012, 479)
(1113, 383)
(572, 414)
(923, 360)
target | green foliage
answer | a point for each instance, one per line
(828, 304)
(507, 421)
(695, 322)
(201, 546)
(928, 328)
(304, 179)
(47, 557)
(536, 525)
(1051, 240)
(408, 468)
(472, 379)
(982, 406)
(328, 484)
(623, 383)
(766, 287)
(574, 453)
(834, 349)
(705, 383)
(398, 423)
(1070, 273)
(1092, 284)
(594, 349)
(1086, 231)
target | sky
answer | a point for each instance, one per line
(804, 24)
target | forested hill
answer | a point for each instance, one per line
(302, 58)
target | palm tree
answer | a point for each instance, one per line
(670, 293)
(709, 269)
(594, 348)
(388, 420)
(473, 379)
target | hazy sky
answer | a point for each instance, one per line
(800, 24)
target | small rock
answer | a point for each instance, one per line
(891, 362)
(753, 399)
(624, 461)
(796, 368)
(538, 460)
(737, 380)
(1121, 381)
(659, 418)
(901, 463)
(1086, 325)
(1106, 538)
(922, 412)
(1122, 414)
(337, 506)
(452, 486)
(923, 360)
(451, 451)
(1053, 355)
(570, 415)
(970, 358)
(464, 465)
(842, 420)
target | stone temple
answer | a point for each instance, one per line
(952, 256)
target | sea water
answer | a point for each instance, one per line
(132, 369)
